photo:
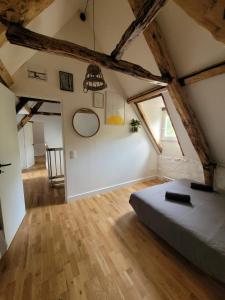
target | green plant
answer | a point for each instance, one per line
(135, 124)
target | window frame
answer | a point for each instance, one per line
(142, 114)
(165, 138)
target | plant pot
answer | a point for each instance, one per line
(134, 129)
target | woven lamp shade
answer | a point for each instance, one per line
(94, 80)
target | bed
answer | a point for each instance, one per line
(197, 231)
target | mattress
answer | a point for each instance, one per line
(196, 231)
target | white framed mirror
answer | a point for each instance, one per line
(86, 122)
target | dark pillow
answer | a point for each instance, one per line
(178, 197)
(201, 187)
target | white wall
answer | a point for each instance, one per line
(112, 157)
(52, 127)
(25, 136)
(39, 138)
(53, 131)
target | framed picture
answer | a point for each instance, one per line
(98, 100)
(36, 72)
(66, 81)
(115, 109)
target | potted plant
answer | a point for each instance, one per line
(135, 124)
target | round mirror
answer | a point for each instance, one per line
(86, 122)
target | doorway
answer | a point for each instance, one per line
(43, 180)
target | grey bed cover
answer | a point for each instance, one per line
(197, 231)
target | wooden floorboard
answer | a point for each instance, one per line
(97, 249)
(37, 190)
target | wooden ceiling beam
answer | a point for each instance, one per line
(23, 11)
(206, 73)
(147, 95)
(46, 113)
(146, 14)
(158, 48)
(207, 13)
(27, 118)
(18, 35)
(21, 104)
(5, 77)
(39, 100)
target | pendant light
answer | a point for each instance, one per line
(94, 80)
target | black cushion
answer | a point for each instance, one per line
(201, 187)
(178, 197)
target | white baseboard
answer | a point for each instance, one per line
(165, 177)
(109, 188)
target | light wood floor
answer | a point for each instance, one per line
(97, 249)
(37, 190)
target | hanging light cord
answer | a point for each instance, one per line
(93, 17)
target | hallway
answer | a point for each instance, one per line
(37, 190)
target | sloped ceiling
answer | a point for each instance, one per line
(191, 48)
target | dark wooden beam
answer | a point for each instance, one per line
(146, 14)
(5, 77)
(27, 118)
(18, 35)
(22, 11)
(46, 113)
(158, 47)
(21, 104)
(208, 72)
(38, 100)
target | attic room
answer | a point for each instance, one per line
(112, 154)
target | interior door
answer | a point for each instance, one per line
(11, 186)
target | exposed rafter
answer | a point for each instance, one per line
(158, 48)
(211, 71)
(22, 11)
(145, 15)
(208, 13)
(21, 104)
(46, 113)
(18, 35)
(5, 77)
(27, 118)
(22, 98)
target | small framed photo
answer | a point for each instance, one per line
(36, 72)
(66, 81)
(98, 100)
